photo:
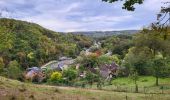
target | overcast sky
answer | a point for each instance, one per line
(81, 15)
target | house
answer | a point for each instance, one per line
(109, 71)
(35, 74)
(38, 74)
(63, 63)
(52, 65)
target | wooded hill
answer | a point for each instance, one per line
(30, 44)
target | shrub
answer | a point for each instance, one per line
(57, 90)
(55, 77)
(12, 97)
(70, 74)
(32, 97)
(91, 78)
(14, 70)
(22, 88)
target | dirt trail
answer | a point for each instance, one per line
(72, 88)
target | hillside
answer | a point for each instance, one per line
(32, 45)
(15, 90)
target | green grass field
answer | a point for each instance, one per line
(143, 81)
(15, 90)
(146, 84)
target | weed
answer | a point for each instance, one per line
(32, 97)
(57, 90)
(22, 88)
(12, 97)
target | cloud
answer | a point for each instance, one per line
(106, 18)
(81, 15)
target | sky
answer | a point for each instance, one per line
(81, 15)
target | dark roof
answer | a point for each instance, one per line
(64, 58)
(107, 69)
(35, 69)
(112, 66)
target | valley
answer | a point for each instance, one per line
(40, 64)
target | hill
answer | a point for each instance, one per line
(98, 34)
(32, 45)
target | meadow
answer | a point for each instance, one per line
(15, 90)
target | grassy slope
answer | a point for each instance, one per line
(145, 83)
(15, 90)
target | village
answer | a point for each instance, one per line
(107, 71)
(84, 50)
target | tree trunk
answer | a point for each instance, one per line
(157, 81)
(136, 88)
(1, 54)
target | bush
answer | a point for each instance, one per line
(14, 70)
(56, 77)
(108, 59)
(69, 75)
(91, 78)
